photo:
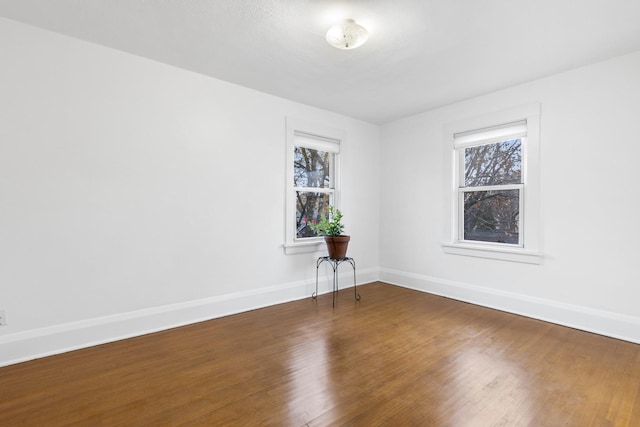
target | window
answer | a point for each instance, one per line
(313, 181)
(493, 186)
(313, 154)
(490, 184)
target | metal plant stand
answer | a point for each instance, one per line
(335, 263)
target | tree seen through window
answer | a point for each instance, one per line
(313, 181)
(491, 202)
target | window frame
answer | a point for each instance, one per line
(528, 250)
(303, 133)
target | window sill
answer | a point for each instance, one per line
(303, 247)
(502, 254)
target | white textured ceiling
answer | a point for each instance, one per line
(421, 54)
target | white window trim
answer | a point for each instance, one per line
(295, 126)
(530, 250)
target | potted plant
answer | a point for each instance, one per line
(331, 228)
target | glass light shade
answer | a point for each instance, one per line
(347, 35)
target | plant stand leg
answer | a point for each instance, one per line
(355, 290)
(318, 262)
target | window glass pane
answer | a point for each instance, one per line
(309, 208)
(492, 216)
(493, 164)
(312, 168)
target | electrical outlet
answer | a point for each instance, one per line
(3, 318)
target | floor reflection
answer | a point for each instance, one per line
(498, 394)
(310, 391)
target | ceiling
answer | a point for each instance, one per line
(421, 54)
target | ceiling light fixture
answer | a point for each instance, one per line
(347, 35)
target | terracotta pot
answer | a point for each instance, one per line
(337, 246)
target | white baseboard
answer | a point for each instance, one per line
(23, 346)
(601, 322)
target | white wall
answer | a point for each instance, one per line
(590, 154)
(135, 196)
(119, 176)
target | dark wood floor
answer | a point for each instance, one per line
(396, 358)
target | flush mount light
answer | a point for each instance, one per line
(347, 35)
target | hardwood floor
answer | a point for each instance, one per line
(396, 358)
